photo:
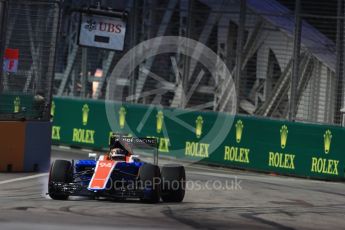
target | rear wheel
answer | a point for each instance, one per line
(149, 176)
(173, 183)
(60, 172)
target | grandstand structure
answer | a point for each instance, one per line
(256, 40)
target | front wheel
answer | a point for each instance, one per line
(60, 172)
(173, 183)
(150, 178)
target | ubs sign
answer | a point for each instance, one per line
(102, 32)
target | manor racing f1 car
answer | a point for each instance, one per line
(119, 174)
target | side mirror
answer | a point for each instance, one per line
(93, 155)
(135, 158)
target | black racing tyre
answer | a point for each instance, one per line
(173, 183)
(150, 178)
(60, 171)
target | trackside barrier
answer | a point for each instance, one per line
(25, 143)
(25, 146)
(288, 148)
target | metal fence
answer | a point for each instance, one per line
(29, 33)
(286, 57)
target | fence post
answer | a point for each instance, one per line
(186, 59)
(343, 72)
(84, 74)
(239, 48)
(3, 10)
(296, 60)
(339, 64)
(52, 59)
(133, 42)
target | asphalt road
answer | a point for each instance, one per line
(216, 198)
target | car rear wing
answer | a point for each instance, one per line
(136, 142)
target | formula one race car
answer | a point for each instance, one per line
(119, 174)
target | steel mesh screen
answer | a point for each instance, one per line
(31, 29)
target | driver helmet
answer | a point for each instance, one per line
(117, 151)
(117, 154)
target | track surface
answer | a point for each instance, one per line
(258, 201)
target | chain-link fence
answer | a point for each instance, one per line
(29, 36)
(286, 57)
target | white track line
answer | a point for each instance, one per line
(23, 178)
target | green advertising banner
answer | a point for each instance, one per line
(17, 103)
(288, 148)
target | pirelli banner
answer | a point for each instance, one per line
(306, 150)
